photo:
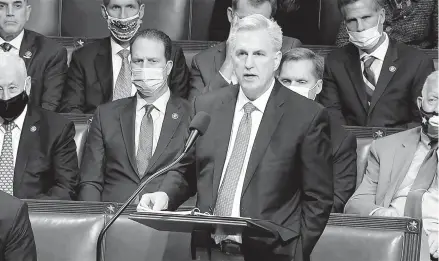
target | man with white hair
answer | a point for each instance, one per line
(409, 187)
(260, 158)
(38, 157)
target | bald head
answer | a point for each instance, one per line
(13, 76)
(429, 99)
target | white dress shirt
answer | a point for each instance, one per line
(430, 208)
(117, 63)
(233, 79)
(260, 103)
(16, 43)
(16, 133)
(158, 115)
(379, 54)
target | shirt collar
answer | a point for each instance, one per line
(160, 104)
(380, 52)
(260, 103)
(16, 42)
(116, 48)
(425, 140)
(19, 121)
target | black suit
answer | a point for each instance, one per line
(289, 175)
(90, 77)
(393, 103)
(16, 236)
(109, 170)
(344, 151)
(46, 63)
(46, 166)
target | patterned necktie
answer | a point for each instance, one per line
(6, 46)
(122, 89)
(424, 179)
(7, 160)
(146, 136)
(369, 76)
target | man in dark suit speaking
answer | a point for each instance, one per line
(266, 154)
(131, 138)
(374, 80)
(16, 236)
(99, 72)
(45, 59)
(38, 151)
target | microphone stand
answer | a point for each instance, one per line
(127, 203)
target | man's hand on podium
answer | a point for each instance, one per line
(153, 202)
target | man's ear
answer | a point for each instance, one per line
(230, 14)
(141, 11)
(104, 12)
(28, 11)
(28, 85)
(277, 60)
(169, 65)
(419, 102)
(319, 86)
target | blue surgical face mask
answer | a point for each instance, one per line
(304, 91)
(366, 39)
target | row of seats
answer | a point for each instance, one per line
(180, 19)
(68, 231)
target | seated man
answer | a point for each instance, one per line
(212, 69)
(45, 59)
(401, 175)
(131, 138)
(16, 235)
(38, 151)
(301, 71)
(374, 81)
(99, 72)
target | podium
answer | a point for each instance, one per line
(202, 226)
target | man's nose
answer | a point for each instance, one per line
(360, 26)
(9, 11)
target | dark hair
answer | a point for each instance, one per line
(257, 3)
(300, 54)
(156, 35)
(107, 2)
(379, 4)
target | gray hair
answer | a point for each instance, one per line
(432, 79)
(258, 22)
(300, 54)
(10, 61)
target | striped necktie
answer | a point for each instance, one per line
(146, 138)
(6, 46)
(369, 76)
(122, 89)
(7, 160)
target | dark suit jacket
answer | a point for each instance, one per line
(46, 63)
(344, 151)
(47, 164)
(393, 103)
(205, 74)
(16, 236)
(289, 175)
(90, 77)
(109, 170)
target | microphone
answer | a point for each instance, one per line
(198, 127)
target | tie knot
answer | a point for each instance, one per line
(6, 46)
(124, 53)
(9, 126)
(149, 108)
(368, 60)
(249, 108)
(433, 144)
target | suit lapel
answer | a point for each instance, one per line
(168, 129)
(28, 48)
(223, 127)
(272, 115)
(353, 68)
(127, 123)
(104, 69)
(27, 138)
(386, 74)
(401, 163)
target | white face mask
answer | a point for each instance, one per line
(366, 39)
(148, 80)
(304, 91)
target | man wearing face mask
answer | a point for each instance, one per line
(212, 69)
(38, 151)
(131, 138)
(409, 186)
(301, 70)
(100, 71)
(374, 80)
